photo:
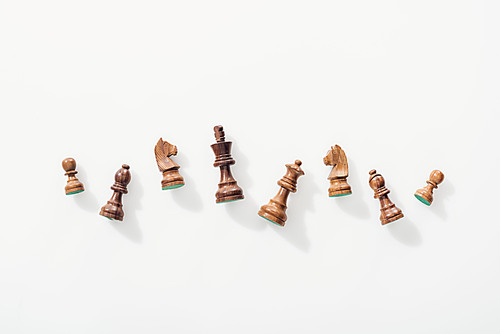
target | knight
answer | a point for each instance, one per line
(338, 176)
(171, 177)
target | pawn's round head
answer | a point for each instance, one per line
(69, 164)
(437, 176)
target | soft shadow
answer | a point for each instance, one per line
(405, 231)
(86, 199)
(186, 196)
(245, 213)
(299, 203)
(131, 204)
(353, 204)
(442, 195)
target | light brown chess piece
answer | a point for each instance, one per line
(275, 210)
(171, 177)
(425, 195)
(114, 207)
(73, 186)
(340, 171)
(388, 212)
(228, 188)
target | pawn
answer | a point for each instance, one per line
(228, 188)
(73, 186)
(425, 195)
(389, 211)
(171, 177)
(275, 210)
(113, 209)
(340, 171)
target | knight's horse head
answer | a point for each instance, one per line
(330, 159)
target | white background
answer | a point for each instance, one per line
(402, 86)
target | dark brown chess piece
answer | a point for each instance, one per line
(113, 209)
(340, 171)
(425, 195)
(171, 177)
(389, 211)
(228, 188)
(73, 186)
(275, 210)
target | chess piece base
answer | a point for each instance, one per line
(274, 212)
(390, 219)
(228, 191)
(424, 198)
(339, 187)
(74, 192)
(174, 186)
(112, 211)
(272, 221)
(229, 199)
(340, 195)
(74, 187)
(171, 179)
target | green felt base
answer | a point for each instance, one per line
(423, 200)
(106, 217)
(341, 195)
(74, 192)
(271, 221)
(172, 187)
(232, 200)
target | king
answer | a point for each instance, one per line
(228, 188)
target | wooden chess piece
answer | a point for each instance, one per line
(389, 211)
(340, 171)
(275, 210)
(171, 177)
(73, 186)
(113, 209)
(425, 195)
(228, 188)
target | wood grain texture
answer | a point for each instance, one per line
(114, 207)
(228, 188)
(172, 179)
(73, 185)
(388, 212)
(426, 194)
(275, 210)
(338, 176)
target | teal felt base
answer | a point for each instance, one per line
(107, 217)
(341, 195)
(423, 200)
(172, 187)
(271, 221)
(74, 192)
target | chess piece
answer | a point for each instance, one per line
(113, 209)
(274, 211)
(73, 186)
(389, 211)
(338, 176)
(171, 177)
(425, 195)
(228, 188)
